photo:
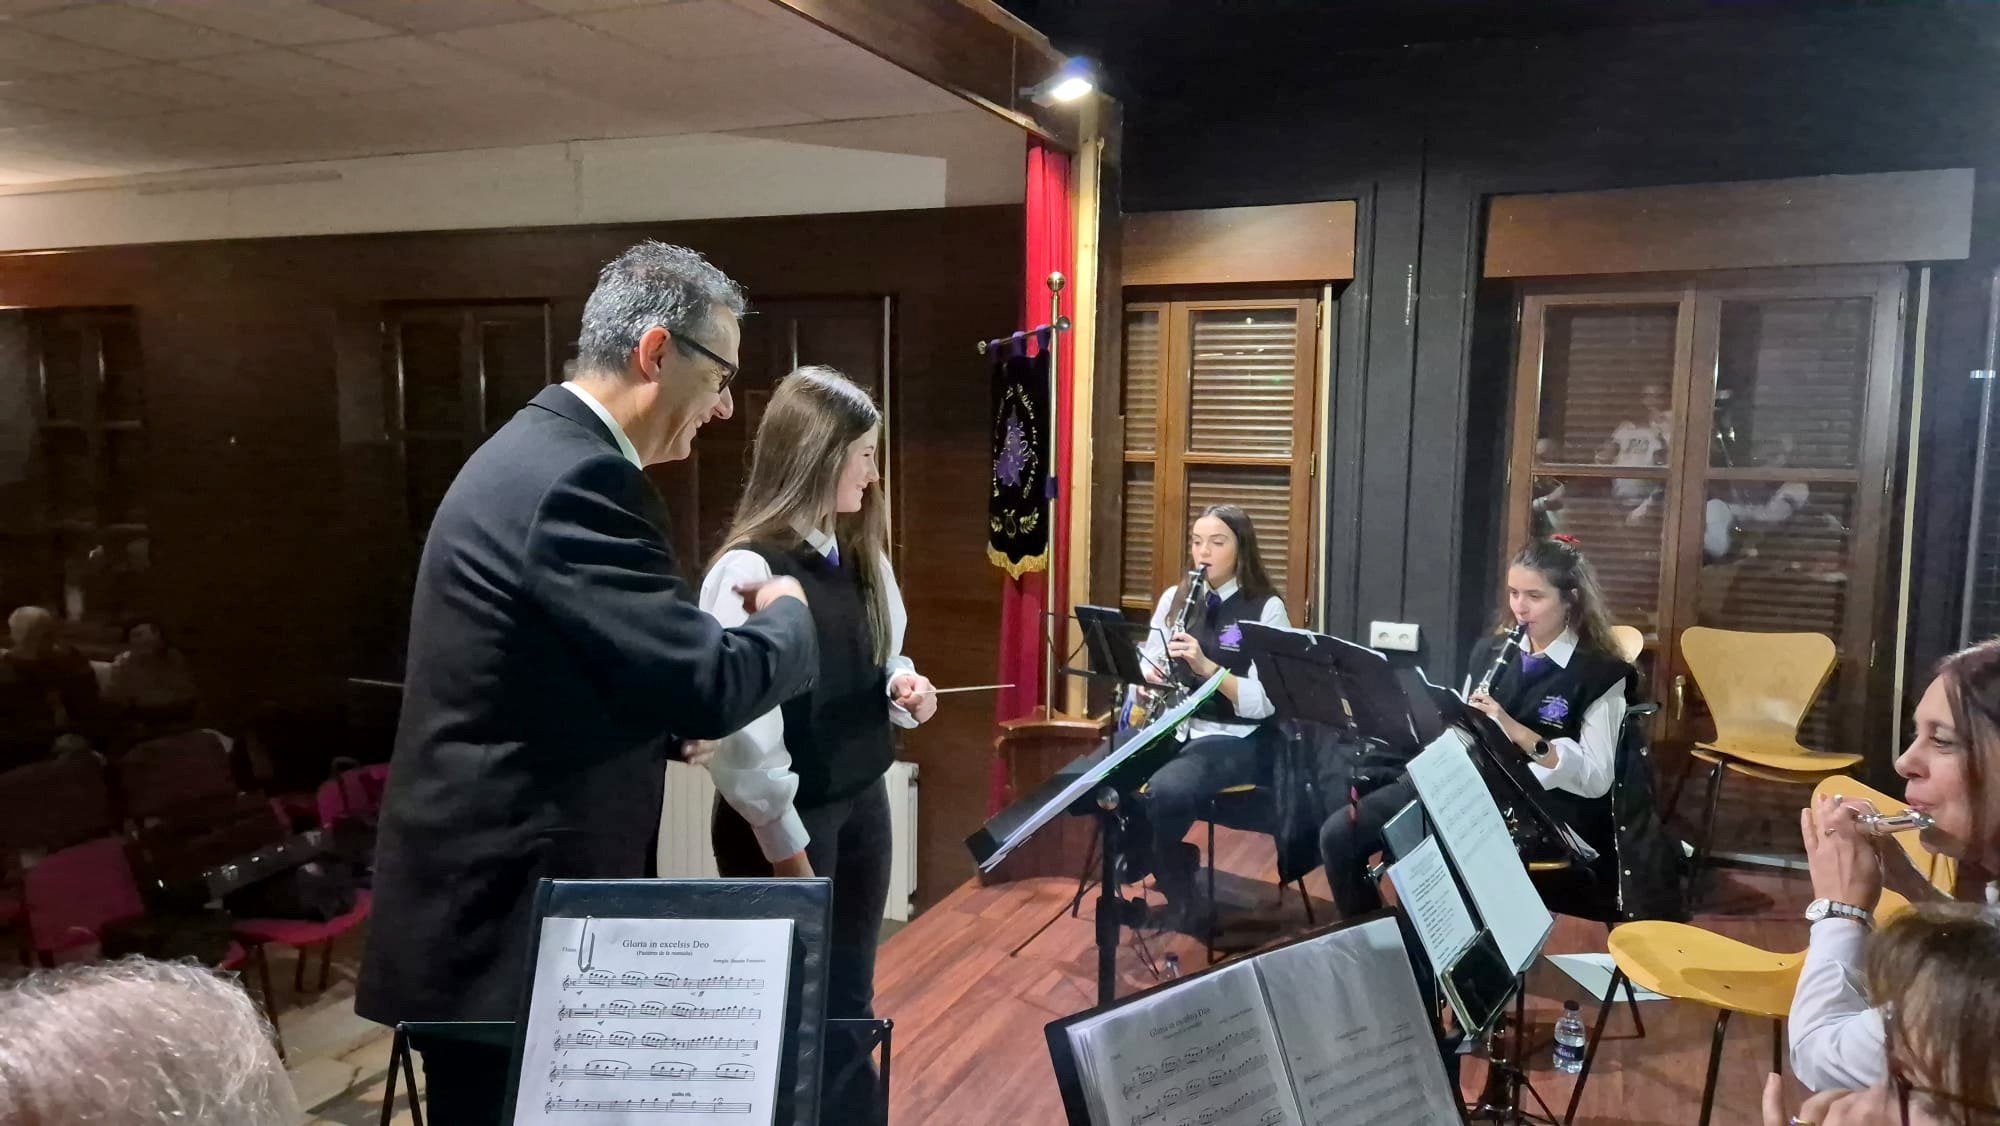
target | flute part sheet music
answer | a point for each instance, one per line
(635, 1019)
(1477, 839)
(1203, 1052)
(1355, 1034)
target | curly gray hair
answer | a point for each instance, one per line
(651, 284)
(137, 1041)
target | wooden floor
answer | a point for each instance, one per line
(968, 1017)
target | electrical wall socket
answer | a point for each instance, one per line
(1400, 637)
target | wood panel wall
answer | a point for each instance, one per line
(269, 493)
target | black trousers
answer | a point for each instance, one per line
(1179, 792)
(464, 1084)
(1350, 836)
(851, 845)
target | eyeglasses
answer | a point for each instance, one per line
(1968, 1110)
(728, 369)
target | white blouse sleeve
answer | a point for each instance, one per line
(752, 769)
(899, 623)
(1837, 1038)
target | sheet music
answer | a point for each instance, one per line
(1354, 1030)
(1203, 1051)
(635, 1018)
(1433, 903)
(1465, 815)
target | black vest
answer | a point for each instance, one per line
(1550, 700)
(838, 734)
(1220, 632)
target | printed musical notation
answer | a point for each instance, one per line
(671, 1071)
(1196, 1084)
(658, 1010)
(633, 979)
(1148, 1074)
(604, 1045)
(652, 1041)
(647, 1106)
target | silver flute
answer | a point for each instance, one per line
(1883, 824)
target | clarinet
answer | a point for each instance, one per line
(1507, 648)
(1193, 595)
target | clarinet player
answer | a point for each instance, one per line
(1555, 686)
(1228, 738)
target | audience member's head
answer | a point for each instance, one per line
(1953, 762)
(31, 631)
(137, 1042)
(1936, 969)
(145, 639)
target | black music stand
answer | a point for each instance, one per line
(1091, 786)
(1317, 677)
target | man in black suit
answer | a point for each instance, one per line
(556, 661)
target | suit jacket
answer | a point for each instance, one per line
(555, 660)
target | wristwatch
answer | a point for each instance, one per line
(1820, 909)
(1541, 750)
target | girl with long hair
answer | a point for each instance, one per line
(1559, 698)
(800, 790)
(1228, 738)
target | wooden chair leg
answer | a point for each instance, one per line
(270, 999)
(326, 965)
(1714, 1066)
(1596, 1038)
(299, 971)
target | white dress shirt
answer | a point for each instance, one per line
(1251, 700)
(1838, 1040)
(752, 769)
(1584, 765)
(625, 445)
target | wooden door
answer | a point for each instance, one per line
(1719, 445)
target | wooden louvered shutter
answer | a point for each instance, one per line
(1217, 401)
(1717, 444)
(1139, 399)
(1238, 421)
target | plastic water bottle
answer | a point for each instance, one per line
(1570, 1039)
(1173, 966)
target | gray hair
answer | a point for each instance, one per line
(651, 284)
(137, 1042)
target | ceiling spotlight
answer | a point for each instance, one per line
(1075, 78)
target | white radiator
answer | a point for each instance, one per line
(685, 853)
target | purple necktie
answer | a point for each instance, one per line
(833, 554)
(1532, 663)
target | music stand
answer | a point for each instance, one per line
(1108, 644)
(1091, 786)
(1317, 677)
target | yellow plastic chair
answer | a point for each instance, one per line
(1758, 687)
(1630, 642)
(1688, 963)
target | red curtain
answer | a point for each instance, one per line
(1050, 249)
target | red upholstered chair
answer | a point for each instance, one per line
(303, 935)
(73, 895)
